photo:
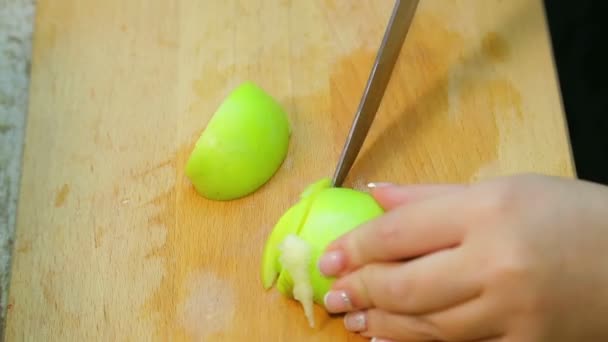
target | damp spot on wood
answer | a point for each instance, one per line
(62, 195)
(23, 247)
(208, 307)
(420, 134)
(495, 47)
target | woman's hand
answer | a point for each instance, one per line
(521, 258)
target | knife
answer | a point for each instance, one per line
(394, 36)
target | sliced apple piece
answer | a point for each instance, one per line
(242, 147)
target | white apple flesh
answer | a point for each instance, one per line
(295, 258)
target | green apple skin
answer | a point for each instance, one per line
(242, 147)
(331, 213)
(334, 212)
(289, 223)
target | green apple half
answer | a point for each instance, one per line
(302, 234)
(242, 147)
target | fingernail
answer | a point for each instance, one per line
(374, 185)
(355, 322)
(332, 263)
(375, 339)
(337, 302)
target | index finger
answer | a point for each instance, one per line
(403, 233)
(393, 196)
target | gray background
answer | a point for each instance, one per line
(16, 26)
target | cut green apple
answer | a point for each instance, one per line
(303, 233)
(242, 147)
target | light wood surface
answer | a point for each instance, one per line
(112, 242)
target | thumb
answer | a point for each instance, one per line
(390, 196)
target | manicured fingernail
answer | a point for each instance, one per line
(332, 263)
(355, 322)
(375, 339)
(374, 185)
(337, 302)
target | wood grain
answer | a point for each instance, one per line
(112, 242)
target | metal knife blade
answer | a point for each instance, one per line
(394, 36)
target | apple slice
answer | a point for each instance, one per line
(242, 147)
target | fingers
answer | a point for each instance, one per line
(386, 325)
(392, 196)
(431, 283)
(472, 321)
(406, 232)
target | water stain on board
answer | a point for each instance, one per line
(213, 238)
(62, 195)
(498, 97)
(186, 248)
(98, 236)
(442, 127)
(52, 295)
(23, 247)
(494, 47)
(208, 307)
(47, 292)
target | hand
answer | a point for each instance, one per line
(522, 258)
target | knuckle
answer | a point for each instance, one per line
(354, 296)
(356, 250)
(360, 290)
(404, 290)
(397, 290)
(388, 233)
(504, 200)
(508, 268)
(375, 286)
(511, 194)
(514, 270)
(365, 278)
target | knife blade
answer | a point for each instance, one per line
(394, 37)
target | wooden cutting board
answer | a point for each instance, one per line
(112, 242)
